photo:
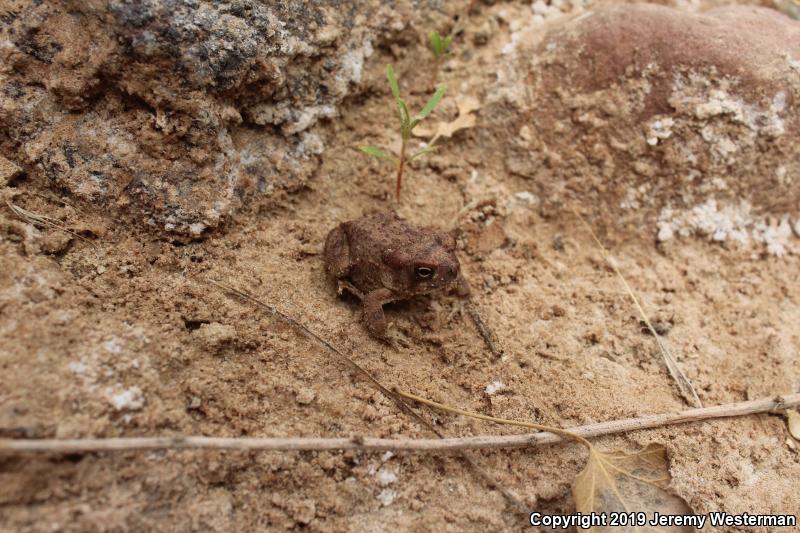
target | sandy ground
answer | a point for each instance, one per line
(122, 336)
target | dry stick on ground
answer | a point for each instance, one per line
(412, 445)
(395, 398)
(684, 385)
(42, 220)
(483, 329)
(53, 198)
(563, 433)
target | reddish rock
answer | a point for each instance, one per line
(631, 108)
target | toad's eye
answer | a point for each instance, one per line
(424, 272)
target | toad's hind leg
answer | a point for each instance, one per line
(337, 253)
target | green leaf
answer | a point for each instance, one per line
(377, 152)
(429, 107)
(405, 116)
(393, 81)
(439, 44)
(436, 42)
(447, 42)
(426, 150)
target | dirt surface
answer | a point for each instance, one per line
(118, 333)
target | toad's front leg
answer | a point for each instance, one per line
(374, 318)
(462, 287)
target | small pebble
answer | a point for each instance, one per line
(305, 396)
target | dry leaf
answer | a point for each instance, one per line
(466, 105)
(633, 484)
(793, 422)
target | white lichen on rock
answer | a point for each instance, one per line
(731, 223)
(494, 387)
(386, 477)
(79, 368)
(113, 345)
(660, 128)
(130, 399)
(776, 236)
(730, 123)
(387, 497)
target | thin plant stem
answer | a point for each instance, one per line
(557, 431)
(681, 380)
(767, 405)
(437, 67)
(400, 167)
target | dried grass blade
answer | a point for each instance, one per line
(683, 382)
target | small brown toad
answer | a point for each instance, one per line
(381, 258)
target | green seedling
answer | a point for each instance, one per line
(440, 46)
(407, 125)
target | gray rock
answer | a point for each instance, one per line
(135, 104)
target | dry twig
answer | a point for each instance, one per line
(394, 397)
(412, 445)
(483, 329)
(43, 220)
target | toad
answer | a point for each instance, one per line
(382, 258)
